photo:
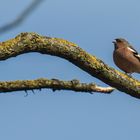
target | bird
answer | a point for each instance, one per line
(126, 57)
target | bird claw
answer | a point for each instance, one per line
(129, 74)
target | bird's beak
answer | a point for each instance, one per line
(114, 42)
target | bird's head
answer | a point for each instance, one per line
(120, 42)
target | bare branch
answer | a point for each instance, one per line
(53, 84)
(32, 42)
(21, 17)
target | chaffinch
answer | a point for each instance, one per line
(125, 56)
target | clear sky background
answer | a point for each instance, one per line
(66, 115)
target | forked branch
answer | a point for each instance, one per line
(32, 42)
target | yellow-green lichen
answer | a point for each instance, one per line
(64, 42)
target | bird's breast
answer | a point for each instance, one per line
(126, 61)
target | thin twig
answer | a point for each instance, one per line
(21, 17)
(54, 84)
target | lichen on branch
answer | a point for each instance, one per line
(54, 84)
(32, 42)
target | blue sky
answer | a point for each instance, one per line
(92, 24)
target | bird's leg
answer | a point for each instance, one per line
(129, 74)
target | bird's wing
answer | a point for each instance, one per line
(137, 56)
(132, 49)
(135, 53)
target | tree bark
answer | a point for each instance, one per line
(54, 84)
(32, 42)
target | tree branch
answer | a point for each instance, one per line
(32, 42)
(53, 84)
(21, 17)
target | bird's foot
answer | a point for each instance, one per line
(129, 74)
